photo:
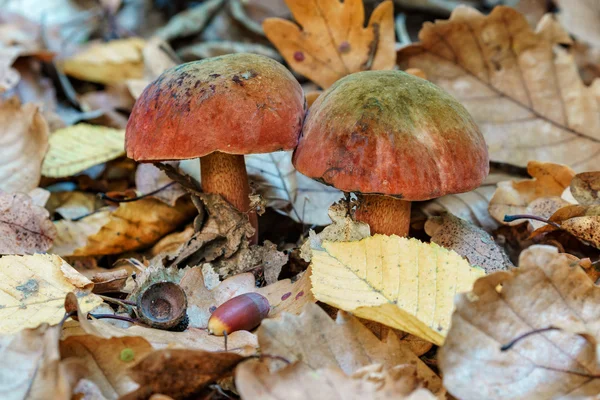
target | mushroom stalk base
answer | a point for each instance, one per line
(225, 174)
(385, 215)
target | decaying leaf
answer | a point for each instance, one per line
(33, 288)
(343, 229)
(585, 188)
(344, 343)
(265, 257)
(399, 282)
(471, 242)
(545, 291)
(299, 382)
(332, 41)
(107, 360)
(179, 373)
(524, 92)
(32, 368)
(514, 197)
(78, 147)
(148, 179)
(108, 63)
(288, 191)
(25, 228)
(583, 222)
(581, 18)
(131, 226)
(23, 144)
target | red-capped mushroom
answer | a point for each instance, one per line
(218, 109)
(392, 138)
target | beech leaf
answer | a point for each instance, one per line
(547, 290)
(399, 282)
(524, 92)
(332, 41)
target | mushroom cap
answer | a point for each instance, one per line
(236, 104)
(391, 133)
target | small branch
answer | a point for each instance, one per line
(113, 316)
(104, 196)
(511, 218)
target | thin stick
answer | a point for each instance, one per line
(103, 196)
(112, 316)
(511, 218)
(510, 344)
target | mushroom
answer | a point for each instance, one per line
(391, 138)
(218, 109)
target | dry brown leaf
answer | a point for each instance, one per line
(514, 197)
(299, 382)
(332, 41)
(289, 296)
(108, 63)
(24, 227)
(265, 257)
(581, 18)
(344, 343)
(32, 368)
(110, 281)
(546, 290)
(533, 10)
(24, 142)
(148, 179)
(583, 222)
(179, 373)
(131, 226)
(471, 242)
(585, 188)
(73, 205)
(106, 360)
(524, 92)
(170, 244)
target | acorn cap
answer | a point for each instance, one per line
(235, 104)
(391, 133)
(162, 305)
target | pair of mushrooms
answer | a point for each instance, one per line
(387, 136)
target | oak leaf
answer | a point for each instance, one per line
(547, 290)
(514, 197)
(523, 91)
(399, 282)
(25, 228)
(344, 343)
(33, 288)
(23, 144)
(108, 63)
(332, 41)
(471, 242)
(585, 188)
(299, 382)
(79, 147)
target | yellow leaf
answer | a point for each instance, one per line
(33, 290)
(333, 41)
(108, 63)
(78, 147)
(399, 282)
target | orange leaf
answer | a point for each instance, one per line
(331, 41)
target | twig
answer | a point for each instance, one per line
(511, 218)
(104, 196)
(510, 344)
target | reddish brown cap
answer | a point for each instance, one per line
(391, 133)
(236, 104)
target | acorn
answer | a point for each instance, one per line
(163, 305)
(241, 313)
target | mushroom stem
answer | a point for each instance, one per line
(225, 174)
(384, 214)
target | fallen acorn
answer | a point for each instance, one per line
(163, 305)
(240, 313)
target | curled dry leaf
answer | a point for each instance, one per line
(299, 382)
(585, 188)
(33, 289)
(332, 41)
(545, 291)
(108, 63)
(32, 367)
(399, 282)
(23, 144)
(110, 281)
(288, 191)
(471, 242)
(583, 222)
(179, 373)
(345, 344)
(514, 197)
(106, 360)
(78, 147)
(524, 92)
(131, 226)
(24, 227)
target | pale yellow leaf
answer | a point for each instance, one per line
(108, 63)
(399, 282)
(33, 290)
(78, 147)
